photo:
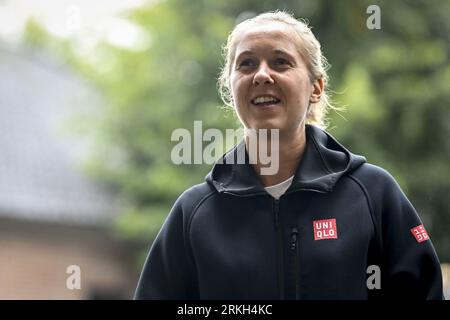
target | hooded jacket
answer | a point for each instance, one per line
(343, 230)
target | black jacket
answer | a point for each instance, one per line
(227, 238)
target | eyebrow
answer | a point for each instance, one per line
(276, 51)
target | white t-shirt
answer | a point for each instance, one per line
(278, 190)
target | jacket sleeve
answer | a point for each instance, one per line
(168, 272)
(410, 268)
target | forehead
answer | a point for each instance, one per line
(268, 36)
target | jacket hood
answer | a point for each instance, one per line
(323, 163)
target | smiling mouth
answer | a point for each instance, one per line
(265, 101)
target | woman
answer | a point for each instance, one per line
(326, 225)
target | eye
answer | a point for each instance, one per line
(247, 63)
(281, 62)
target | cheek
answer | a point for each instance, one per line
(300, 90)
(233, 84)
(237, 86)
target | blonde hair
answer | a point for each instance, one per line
(309, 49)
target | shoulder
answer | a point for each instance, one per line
(389, 206)
(380, 187)
(371, 175)
(194, 196)
(186, 205)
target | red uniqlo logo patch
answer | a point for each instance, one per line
(325, 229)
(420, 233)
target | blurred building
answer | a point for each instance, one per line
(51, 215)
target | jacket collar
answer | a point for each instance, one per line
(323, 163)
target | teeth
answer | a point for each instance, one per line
(264, 99)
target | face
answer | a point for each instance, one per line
(269, 80)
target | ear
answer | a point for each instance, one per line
(317, 91)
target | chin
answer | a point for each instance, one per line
(267, 124)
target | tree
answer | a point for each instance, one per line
(394, 83)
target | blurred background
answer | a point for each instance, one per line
(90, 93)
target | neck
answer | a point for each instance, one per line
(291, 148)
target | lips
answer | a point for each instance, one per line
(265, 100)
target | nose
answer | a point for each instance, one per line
(263, 75)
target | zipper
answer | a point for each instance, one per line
(294, 256)
(279, 247)
(293, 246)
(276, 206)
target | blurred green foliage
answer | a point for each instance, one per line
(394, 83)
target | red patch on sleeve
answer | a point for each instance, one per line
(420, 233)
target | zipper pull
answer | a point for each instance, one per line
(294, 234)
(276, 209)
